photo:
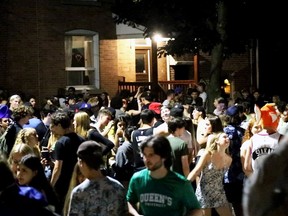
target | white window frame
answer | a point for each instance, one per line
(95, 38)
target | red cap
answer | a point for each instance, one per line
(156, 107)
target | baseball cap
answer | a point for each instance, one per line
(177, 111)
(91, 153)
(232, 110)
(156, 107)
(4, 111)
(85, 106)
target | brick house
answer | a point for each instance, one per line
(54, 44)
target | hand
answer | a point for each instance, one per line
(110, 124)
(119, 132)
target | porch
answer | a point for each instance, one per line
(162, 86)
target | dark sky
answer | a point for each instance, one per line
(273, 66)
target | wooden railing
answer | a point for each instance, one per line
(182, 84)
(163, 86)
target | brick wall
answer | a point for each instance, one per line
(35, 43)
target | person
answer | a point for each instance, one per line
(253, 128)
(282, 111)
(4, 118)
(139, 134)
(180, 153)
(177, 111)
(76, 179)
(123, 165)
(198, 119)
(14, 101)
(156, 189)
(201, 87)
(104, 122)
(106, 99)
(212, 166)
(32, 102)
(30, 172)
(165, 116)
(81, 123)
(45, 132)
(196, 100)
(156, 108)
(64, 154)
(97, 194)
(267, 140)
(36, 121)
(17, 200)
(17, 152)
(21, 116)
(116, 135)
(257, 98)
(234, 177)
(220, 106)
(169, 101)
(211, 124)
(29, 136)
(265, 191)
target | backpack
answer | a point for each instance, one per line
(3, 142)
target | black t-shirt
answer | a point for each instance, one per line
(107, 144)
(66, 151)
(137, 137)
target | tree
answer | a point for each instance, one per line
(216, 27)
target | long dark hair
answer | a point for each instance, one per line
(39, 181)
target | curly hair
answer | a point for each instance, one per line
(21, 112)
(23, 137)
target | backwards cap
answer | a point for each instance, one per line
(267, 114)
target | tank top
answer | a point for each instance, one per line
(263, 144)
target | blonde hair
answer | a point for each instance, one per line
(248, 132)
(14, 97)
(93, 101)
(213, 144)
(74, 181)
(20, 148)
(82, 120)
(53, 138)
(23, 137)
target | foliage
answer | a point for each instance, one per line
(192, 25)
(219, 28)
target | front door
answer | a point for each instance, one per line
(142, 64)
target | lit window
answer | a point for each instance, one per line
(82, 58)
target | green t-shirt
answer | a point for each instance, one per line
(171, 195)
(179, 149)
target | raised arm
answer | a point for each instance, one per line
(199, 167)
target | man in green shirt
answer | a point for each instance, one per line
(157, 190)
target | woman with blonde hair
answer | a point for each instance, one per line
(17, 152)
(81, 124)
(253, 127)
(76, 179)
(213, 164)
(29, 136)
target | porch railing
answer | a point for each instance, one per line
(163, 86)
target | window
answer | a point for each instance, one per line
(82, 58)
(142, 60)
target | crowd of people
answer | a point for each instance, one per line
(131, 154)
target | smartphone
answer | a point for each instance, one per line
(45, 153)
